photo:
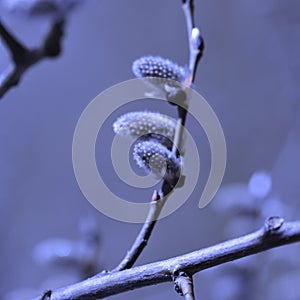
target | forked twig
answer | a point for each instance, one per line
(23, 58)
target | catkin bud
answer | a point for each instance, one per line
(156, 66)
(146, 124)
(160, 72)
(152, 156)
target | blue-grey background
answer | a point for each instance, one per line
(249, 74)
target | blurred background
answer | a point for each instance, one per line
(249, 75)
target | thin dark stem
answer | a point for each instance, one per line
(17, 49)
(24, 58)
(141, 240)
(275, 233)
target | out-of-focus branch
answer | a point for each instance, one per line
(17, 50)
(23, 58)
(273, 234)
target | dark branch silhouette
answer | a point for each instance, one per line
(23, 58)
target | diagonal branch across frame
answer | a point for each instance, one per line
(274, 233)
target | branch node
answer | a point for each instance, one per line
(184, 285)
(273, 224)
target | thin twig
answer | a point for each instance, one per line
(23, 58)
(188, 9)
(141, 240)
(275, 233)
(156, 205)
(17, 50)
(196, 48)
(178, 137)
(184, 286)
(196, 43)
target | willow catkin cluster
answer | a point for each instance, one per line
(154, 133)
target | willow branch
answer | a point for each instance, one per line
(141, 240)
(17, 50)
(273, 234)
(156, 205)
(23, 58)
(160, 199)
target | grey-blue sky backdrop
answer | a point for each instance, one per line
(249, 74)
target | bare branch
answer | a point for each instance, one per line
(23, 58)
(275, 233)
(17, 50)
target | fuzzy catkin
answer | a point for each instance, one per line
(161, 73)
(145, 123)
(153, 156)
(156, 66)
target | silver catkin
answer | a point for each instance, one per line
(145, 123)
(159, 72)
(153, 156)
